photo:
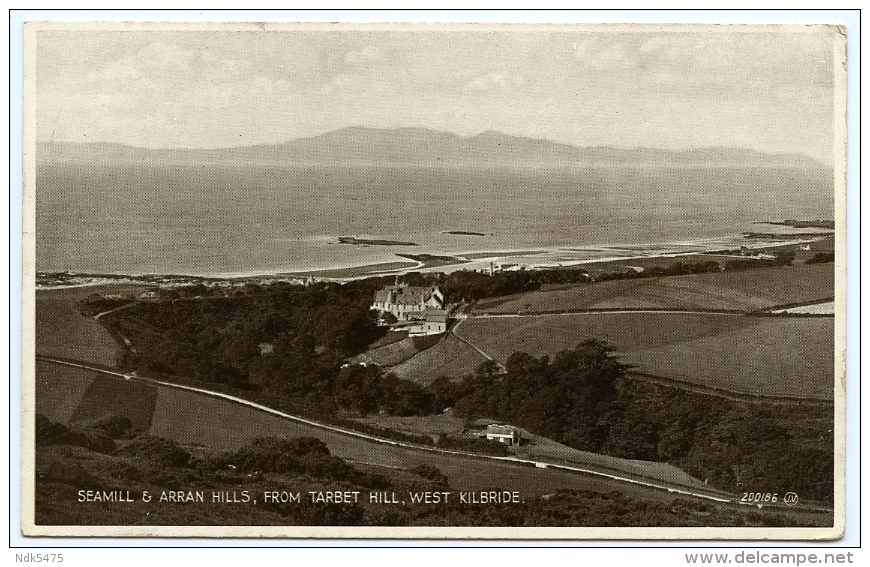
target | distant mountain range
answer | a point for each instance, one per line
(419, 146)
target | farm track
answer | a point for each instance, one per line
(597, 471)
(125, 306)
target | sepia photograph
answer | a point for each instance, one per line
(450, 281)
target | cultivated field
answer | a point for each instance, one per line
(391, 354)
(540, 448)
(748, 290)
(107, 396)
(450, 357)
(782, 356)
(196, 420)
(443, 423)
(388, 339)
(63, 332)
(398, 352)
(59, 389)
(65, 394)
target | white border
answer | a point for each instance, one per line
(848, 18)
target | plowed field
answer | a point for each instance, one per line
(780, 356)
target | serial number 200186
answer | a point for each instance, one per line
(760, 497)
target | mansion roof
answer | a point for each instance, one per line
(406, 295)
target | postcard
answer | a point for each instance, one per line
(490, 281)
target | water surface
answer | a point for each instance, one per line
(207, 219)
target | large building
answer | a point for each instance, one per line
(421, 309)
(405, 302)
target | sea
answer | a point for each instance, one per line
(233, 220)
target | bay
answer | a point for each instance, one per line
(205, 219)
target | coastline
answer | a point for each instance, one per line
(514, 258)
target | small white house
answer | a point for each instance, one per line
(506, 434)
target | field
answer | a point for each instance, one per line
(59, 389)
(739, 291)
(196, 420)
(388, 339)
(450, 357)
(443, 423)
(540, 448)
(826, 308)
(781, 356)
(67, 395)
(63, 332)
(398, 352)
(825, 244)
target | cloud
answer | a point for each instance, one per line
(349, 83)
(365, 55)
(156, 59)
(494, 81)
(338, 83)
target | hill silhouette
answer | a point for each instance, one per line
(420, 146)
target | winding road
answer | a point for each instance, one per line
(710, 494)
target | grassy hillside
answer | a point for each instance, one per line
(758, 355)
(107, 396)
(66, 395)
(450, 357)
(60, 389)
(62, 469)
(748, 290)
(62, 331)
(581, 398)
(395, 353)
(204, 423)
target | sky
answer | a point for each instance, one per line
(762, 88)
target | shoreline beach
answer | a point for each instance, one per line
(542, 258)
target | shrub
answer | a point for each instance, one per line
(821, 258)
(49, 433)
(472, 445)
(429, 472)
(158, 451)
